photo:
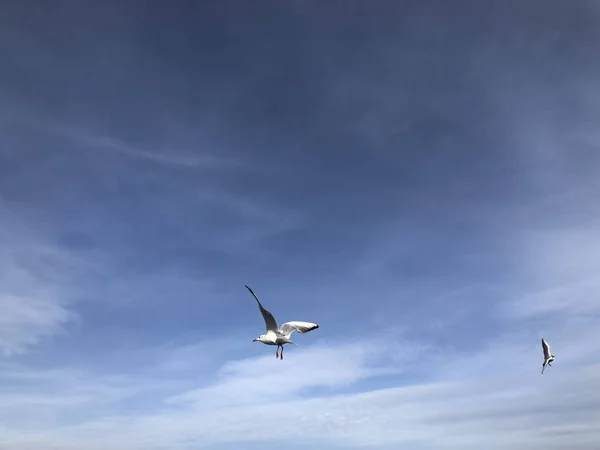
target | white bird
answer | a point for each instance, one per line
(279, 336)
(548, 357)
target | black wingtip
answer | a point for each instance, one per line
(253, 295)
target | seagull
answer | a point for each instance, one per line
(548, 357)
(279, 336)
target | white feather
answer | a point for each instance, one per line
(301, 327)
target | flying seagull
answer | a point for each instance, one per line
(548, 357)
(279, 336)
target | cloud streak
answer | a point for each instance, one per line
(35, 292)
(518, 408)
(191, 160)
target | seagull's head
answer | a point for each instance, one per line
(259, 339)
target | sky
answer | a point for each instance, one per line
(420, 178)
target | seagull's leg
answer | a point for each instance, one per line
(282, 352)
(277, 352)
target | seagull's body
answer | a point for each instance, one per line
(548, 357)
(276, 335)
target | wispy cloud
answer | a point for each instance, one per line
(190, 160)
(560, 267)
(517, 409)
(262, 380)
(35, 285)
(87, 140)
(25, 321)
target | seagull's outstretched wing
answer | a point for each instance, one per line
(546, 349)
(270, 321)
(301, 327)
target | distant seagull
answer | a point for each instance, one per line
(280, 336)
(548, 357)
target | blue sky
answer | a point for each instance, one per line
(418, 178)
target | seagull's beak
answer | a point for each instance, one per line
(254, 340)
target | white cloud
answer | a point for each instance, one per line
(87, 139)
(170, 158)
(35, 287)
(267, 379)
(560, 268)
(495, 397)
(24, 321)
